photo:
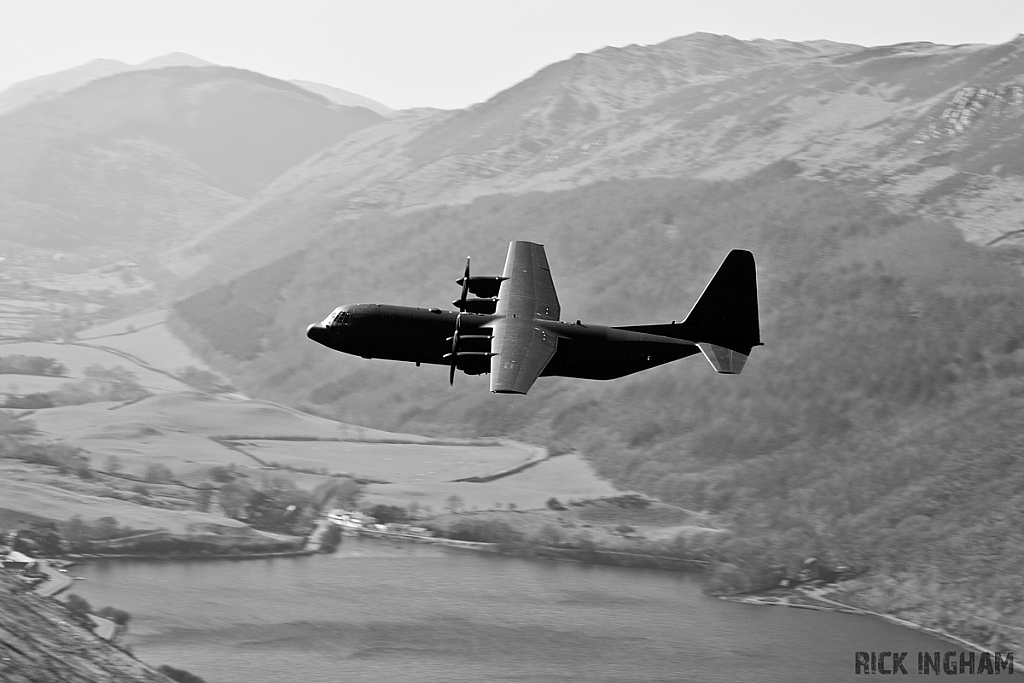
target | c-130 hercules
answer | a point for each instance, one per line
(510, 328)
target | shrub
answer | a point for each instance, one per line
(203, 380)
(387, 514)
(78, 605)
(222, 475)
(158, 474)
(484, 531)
(118, 616)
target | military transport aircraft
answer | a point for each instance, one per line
(510, 328)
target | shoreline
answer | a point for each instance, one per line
(829, 605)
(170, 557)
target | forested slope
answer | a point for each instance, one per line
(878, 424)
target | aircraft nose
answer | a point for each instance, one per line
(316, 332)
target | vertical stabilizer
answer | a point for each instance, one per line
(725, 315)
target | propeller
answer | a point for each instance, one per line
(461, 303)
(458, 323)
(455, 346)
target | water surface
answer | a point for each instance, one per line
(380, 612)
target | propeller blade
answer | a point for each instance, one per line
(455, 346)
(465, 288)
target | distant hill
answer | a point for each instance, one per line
(153, 157)
(344, 97)
(931, 128)
(50, 85)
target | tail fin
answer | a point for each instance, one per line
(723, 323)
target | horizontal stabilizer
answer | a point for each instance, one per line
(723, 360)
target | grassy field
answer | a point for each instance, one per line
(77, 358)
(93, 281)
(44, 501)
(190, 432)
(128, 325)
(17, 315)
(29, 384)
(566, 477)
(146, 337)
(389, 461)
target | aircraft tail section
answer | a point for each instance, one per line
(724, 321)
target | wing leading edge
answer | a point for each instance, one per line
(522, 348)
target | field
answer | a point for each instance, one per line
(389, 461)
(146, 337)
(18, 315)
(191, 432)
(566, 477)
(44, 501)
(93, 281)
(78, 357)
(29, 384)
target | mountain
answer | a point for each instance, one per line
(931, 128)
(344, 97)
(152, 157)
(60, 82)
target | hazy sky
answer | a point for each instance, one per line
(448, 53)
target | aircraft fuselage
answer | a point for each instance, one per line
(509, 326)
(424, 335)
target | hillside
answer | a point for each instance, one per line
(876, 425)
(147, 159)
(40, 640)
(932, 128)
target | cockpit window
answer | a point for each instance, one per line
(337, 317)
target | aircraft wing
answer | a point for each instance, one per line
(522, 348)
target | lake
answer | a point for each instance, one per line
(376, 611)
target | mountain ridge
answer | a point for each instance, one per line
(151, 157)
(704, 106)
(52, 85)
(55, 84)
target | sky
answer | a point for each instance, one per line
(448, 53)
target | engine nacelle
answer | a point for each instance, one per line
(477, 305)
(484, 286)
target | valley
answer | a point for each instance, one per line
(190, 434)
(168, 259)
